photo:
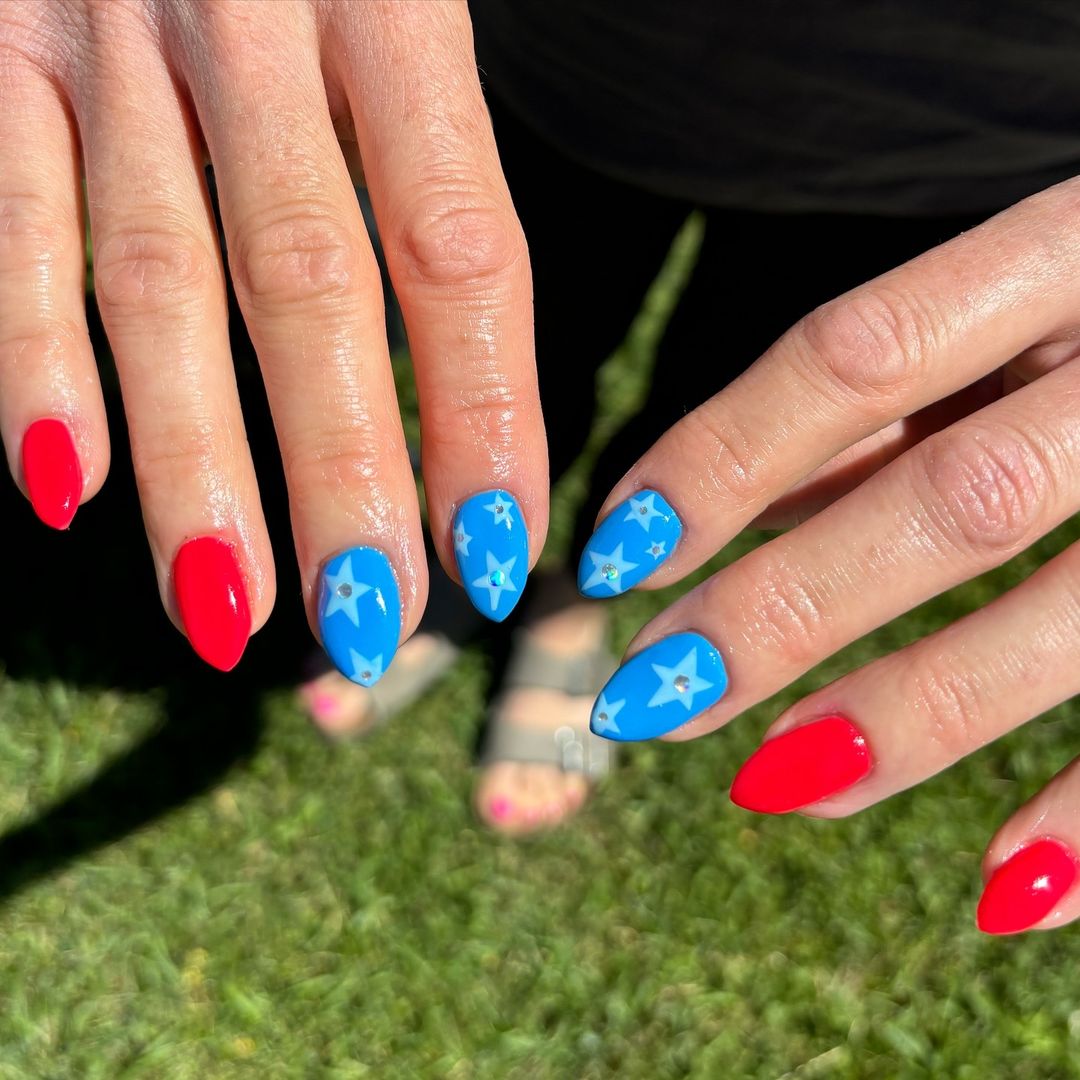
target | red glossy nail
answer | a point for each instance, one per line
(52, 472)
(1024, 889)
(802, 766)
(212, 601)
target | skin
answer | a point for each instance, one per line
(917, 431)
(138, 95)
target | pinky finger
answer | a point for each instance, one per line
(52, 417)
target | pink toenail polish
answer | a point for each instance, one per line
(324, 704)
(500, 808)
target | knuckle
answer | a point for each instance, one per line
(480, 414)
(342, 460)
(49, 344)
(873, 348)
(987, 488)
(727, 459)
(300, 257)
(947, 702)
(461, 240)
(785, 611)
(152, 269)
(179, 453)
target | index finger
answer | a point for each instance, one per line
(847, 370)
(459, 263)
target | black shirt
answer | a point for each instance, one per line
(903, 107)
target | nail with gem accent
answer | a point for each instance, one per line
(212, 601)
(1027, 887)
(628, 545)
(802, 766)
(360, 613)
(50, 466)
(491, 546)
(660, 689)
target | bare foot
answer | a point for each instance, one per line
(341, 709)
(517, 798)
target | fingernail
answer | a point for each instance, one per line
(500, 808)
(360, 613)
(660, 689)
(491, 546)
(802, 766)
(1025, 888)
(628, 545)
(53, 475)
(324, 705)
(213, 604)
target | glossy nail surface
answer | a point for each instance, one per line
(52, 472)
(360, 613)
(1026, 887)
(212, 601)
(628, 545)
(491, 546)
(802, 766)
(660, 689)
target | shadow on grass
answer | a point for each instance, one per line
(83, 607)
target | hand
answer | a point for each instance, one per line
(935, 414)
(136, 92)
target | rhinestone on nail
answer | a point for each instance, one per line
(602, 717)
(497, 578)
(344, 590)
(365, 675)
(682, 683)
(610, 571)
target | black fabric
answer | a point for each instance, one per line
(912, 107)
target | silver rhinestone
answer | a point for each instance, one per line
(682, 683)
(500, 508)
(344, 590)
(602, 716)
(610, 571)
(643, 510)
(656, 549)
(365, 675)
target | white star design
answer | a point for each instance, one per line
(603, 565)
(668, 690)
(658, 549)
(643, 511)
(462, 540)
(603, 717)
(365, 671)
(500, 510)
(497, 579)
(344, 590)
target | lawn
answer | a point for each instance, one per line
(193, 885)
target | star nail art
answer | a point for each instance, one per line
(359, 613)
(660, 689)
(491, 547)
(628, 545)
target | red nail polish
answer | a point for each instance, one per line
(1024, 889)
(52, 472)
(802, 766)
(213, 604)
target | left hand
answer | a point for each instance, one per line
(935, 414)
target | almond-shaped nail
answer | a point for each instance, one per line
(212, 600)
(1027, 887)
(491, 546)
(802, 766)
(50, 465)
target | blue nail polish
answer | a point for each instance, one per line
(359, 613)
(629, 544)
(491, 546)
(660, 689)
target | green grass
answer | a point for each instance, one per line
(337, 912)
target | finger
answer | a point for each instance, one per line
(52, 417)
(905, 717)
(961, 502)
(161, 291)
(460, 269)
(856, 365)
(1032, 864)
(308, 285)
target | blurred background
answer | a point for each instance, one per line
(194, 884)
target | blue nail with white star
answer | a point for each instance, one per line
(491, 546)
(628, 545)
(660, 689)
(359, 613)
